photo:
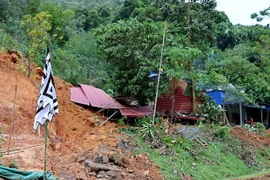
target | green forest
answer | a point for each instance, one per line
(115, 44)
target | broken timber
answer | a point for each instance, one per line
(109, 118)
(98, 167)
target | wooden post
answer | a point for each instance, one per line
(267, 119)
(45, 151)
(241, 114)
(261, 115)
(12, 118)
(172, 110)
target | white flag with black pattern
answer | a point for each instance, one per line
(47, 104)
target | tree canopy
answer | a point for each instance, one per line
(116, 44)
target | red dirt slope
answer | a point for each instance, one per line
(74, 137)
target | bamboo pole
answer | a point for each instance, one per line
(109, 118)
(13, 152)
(17, 149)
(160, 63)
(45, 151)
(12, 118)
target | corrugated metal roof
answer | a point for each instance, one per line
(98, 98)
(77, 95)
(136, 111)
(89, 95)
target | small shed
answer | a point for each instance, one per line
(176, 102)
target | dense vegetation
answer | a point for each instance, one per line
(115, 44)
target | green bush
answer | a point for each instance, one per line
(211, 111)
(122, 120)
(148, 130)
(260, 128)
(223, 132)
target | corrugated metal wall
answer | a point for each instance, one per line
(182, 103)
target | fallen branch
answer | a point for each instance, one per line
(202, 143)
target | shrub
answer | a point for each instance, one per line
(211, 111)
(122, 120)
(223, 132)
(148, 130)
(260, 128)
(13, 164)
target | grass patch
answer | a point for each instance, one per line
(211, 163)
(224, 156)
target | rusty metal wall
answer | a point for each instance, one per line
(182, 103)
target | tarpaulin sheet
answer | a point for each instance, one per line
(15, 174)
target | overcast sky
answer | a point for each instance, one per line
(239, 11)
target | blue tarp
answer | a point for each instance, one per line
(15, 174)
(217, 96)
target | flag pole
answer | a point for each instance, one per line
(46, 140)
(47, 104)
(45, 151)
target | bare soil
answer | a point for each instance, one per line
(253, 139)
(74, 137)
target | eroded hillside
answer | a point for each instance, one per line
(74, 137)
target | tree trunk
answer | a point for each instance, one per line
(194, 106)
